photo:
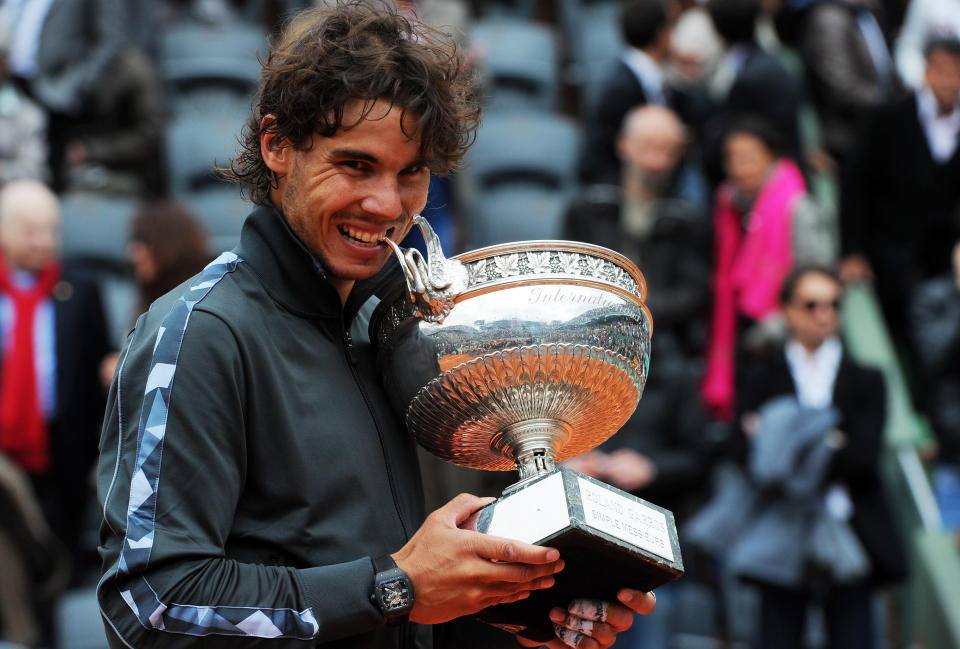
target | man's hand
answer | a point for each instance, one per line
(592, 463)
(458, 572)
(594, 624)
(629, 470)
(855, 268)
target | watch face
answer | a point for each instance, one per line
(394, 594)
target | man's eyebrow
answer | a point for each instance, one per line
(354, 154)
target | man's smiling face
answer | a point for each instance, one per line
(342, 195)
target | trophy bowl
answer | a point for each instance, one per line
(519, 356)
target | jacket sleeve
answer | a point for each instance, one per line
(67, 89)
(859, 459)
(169, 511)
(829, 35)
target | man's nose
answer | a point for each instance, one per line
(383, 199)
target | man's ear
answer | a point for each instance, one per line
(621, 146)
(274, 149)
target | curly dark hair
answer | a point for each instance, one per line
(363, 50)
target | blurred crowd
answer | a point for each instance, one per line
(754, 158)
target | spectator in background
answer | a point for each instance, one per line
(167, 246)
(925, 19)
(54, 337)
(813, 368)
(656, 216)
(764, 223)
(662, 455)
(102, 97)
(849, 68)
(901, 194)
(32, 562)
(23, 124)
(747, 80)
(935, 330)
(636, 79)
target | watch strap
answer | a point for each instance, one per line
(389, 575)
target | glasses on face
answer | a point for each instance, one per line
(810, 306)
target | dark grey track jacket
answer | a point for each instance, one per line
(250, 466)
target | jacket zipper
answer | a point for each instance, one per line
(348, 352)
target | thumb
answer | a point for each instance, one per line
(461, 507)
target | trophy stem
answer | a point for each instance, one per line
(532, 445)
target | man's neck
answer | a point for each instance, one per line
(655, 53)
(343, 288)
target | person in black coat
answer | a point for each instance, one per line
(656, 215)
(748, 81)
(814, 367)
(74, 341)
(636, 79)
(900, 194)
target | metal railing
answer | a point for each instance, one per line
(929, 603)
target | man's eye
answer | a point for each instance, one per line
(414, 171)
(358, 165)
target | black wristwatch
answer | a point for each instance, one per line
(392, 590)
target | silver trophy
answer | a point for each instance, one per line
(519, 356)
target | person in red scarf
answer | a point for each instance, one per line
(764, 224)
(53, 336)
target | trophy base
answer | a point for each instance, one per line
(608, 539)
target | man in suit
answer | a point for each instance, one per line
(848, 65)
(102, 96)
(54, 337)
(814, 367)
(656, 214)
(747, 81)
(636, 79)
(901, 191)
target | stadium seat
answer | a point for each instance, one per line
(95, 226)
(519, 63)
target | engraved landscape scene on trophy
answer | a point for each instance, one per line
(568, 315)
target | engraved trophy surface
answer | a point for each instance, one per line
(518, 356)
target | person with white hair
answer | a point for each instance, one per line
(53, 336)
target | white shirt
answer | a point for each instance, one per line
(648, 73)
(726, 71)
(941, 130)
(815, 374)
(26, 19)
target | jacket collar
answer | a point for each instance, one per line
(293, 276)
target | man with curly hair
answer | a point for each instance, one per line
(257, 491)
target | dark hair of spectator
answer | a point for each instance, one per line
(946, 44)
(176, 242)
(328, 57)
(790, 283)
(761, 129)
(641, 20)
(734, 20)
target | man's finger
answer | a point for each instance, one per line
(590, 609)
(617, 616)
(519, 573)
(498, 548)
(460, 508)
(602, 632)
(567, 636)
(638, 601)
(509, 588)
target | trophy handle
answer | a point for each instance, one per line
(431, 287)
